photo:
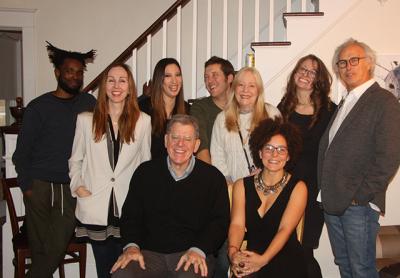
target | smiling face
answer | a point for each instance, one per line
(354, 76)
(117, 85)
(181, 143)
(215, 80)
(305, 75)
(70, 76)
(274, 153)
(172, 82)
(246, 91)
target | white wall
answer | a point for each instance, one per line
(108, 26)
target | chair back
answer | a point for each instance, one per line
(14, 218)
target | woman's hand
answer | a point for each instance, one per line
(251, 262)
(82, 192)
(238, 264)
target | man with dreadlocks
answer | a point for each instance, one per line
(41, 160)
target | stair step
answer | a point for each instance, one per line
(285, 15)
(282, 43)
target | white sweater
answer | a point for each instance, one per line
(226, 147)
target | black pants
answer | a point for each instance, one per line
(50, 220)
(106, 254)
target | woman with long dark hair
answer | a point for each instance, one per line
(166, 99)
(108, 146)
(307, 105)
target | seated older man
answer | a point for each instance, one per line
(176, 214)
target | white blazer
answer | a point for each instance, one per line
(89, 166)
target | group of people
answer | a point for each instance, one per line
(147, 182)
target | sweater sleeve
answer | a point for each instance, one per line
(218, 157)
(215, 232)
(77, 156)
(27, 138)
(272, 111)
(132, 218)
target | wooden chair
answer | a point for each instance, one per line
(76, 252)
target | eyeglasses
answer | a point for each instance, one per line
(269, 149)
(306, 72)
(353, 61)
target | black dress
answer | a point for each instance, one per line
(305, 168)
(289, 262)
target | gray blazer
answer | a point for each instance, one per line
(363, 156)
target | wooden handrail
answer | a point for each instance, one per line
(140, 41)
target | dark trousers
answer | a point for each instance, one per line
(106, 254)
(162, 265)
(50, 220)
(222, 264)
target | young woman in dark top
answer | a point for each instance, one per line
(306, 104)
(166, 99)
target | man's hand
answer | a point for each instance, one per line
(82, 192)
(195, 259)
(130, 254)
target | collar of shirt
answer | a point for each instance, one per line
(358, 91)
(187, 172)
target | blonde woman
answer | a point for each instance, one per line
(246, 108)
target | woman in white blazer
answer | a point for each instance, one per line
(109, 145)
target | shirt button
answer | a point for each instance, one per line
(112, 179)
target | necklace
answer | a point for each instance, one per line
(269, 189)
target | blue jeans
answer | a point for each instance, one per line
(353, 240)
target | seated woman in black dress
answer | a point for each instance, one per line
(268, 206)
(166, 99)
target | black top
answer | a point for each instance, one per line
(289, 261)
(305, 168)
(168, 216)
(45, 140)
(157, 140)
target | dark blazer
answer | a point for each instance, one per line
(363, 156)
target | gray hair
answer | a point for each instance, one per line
(184, 120)
(368, 53)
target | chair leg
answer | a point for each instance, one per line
(20, 266)
(82, 263)
(61, 270)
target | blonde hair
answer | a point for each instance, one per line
(232, 109)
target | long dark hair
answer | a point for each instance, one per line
(319, 96)
(159, 115)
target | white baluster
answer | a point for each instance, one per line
(240, 34)
(134, 65)
(178, 32)
(225, 30)
(288, 6)
(303, 6)
(148, 58)
(271, 20)
(194, 49)
(209, 22)
(164, 41)
(257, 21)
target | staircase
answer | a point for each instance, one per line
(278, 31)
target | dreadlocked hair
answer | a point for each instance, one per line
(57, 56)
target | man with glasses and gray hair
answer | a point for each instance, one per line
(358, 156)
(176, 213)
